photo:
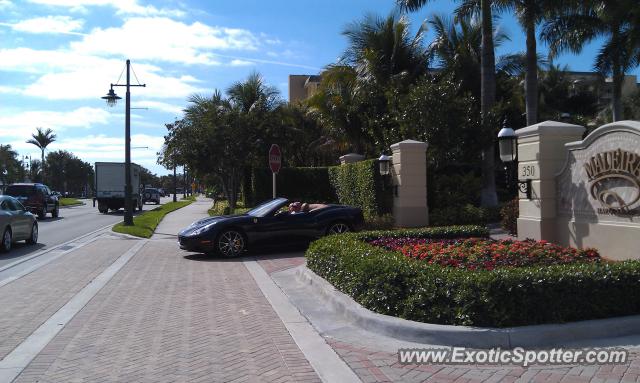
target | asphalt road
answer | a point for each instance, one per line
(72, 223)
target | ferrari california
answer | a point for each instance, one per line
(267, 225)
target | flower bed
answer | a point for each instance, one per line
(487, 254)
(386, 281)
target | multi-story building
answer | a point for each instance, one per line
(302, 86)
(601, 86)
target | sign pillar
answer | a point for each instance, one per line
(409, 175)
(541, 155)
(275, 162)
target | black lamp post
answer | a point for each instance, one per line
(508, 147)
(384, 163)
(112, 99)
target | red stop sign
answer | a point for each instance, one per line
(275, 158)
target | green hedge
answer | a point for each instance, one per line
(358, 184)
(389, 283)
(295, 184)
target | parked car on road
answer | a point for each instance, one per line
(269, 224)
(37, 198)
(16, 223)
(151, 195)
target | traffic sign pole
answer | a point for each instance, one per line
(275, 162)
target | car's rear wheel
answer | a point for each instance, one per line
(34, 234)
(338, 228)
(5, 246)
(230, 243)
(43, 213)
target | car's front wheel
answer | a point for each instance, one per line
(56, 211)
(338, 228)
(34, 234)
(230, 243)
(5, 246)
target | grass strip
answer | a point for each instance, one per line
(145, 224)
(69, 202)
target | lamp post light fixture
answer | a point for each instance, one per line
(384, 162)
(508, 147)
(112, 99)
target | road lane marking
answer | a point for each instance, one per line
(15, 362)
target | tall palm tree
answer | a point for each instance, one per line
(457, 48)
(252, 93)
(383, 51)
(42, 139)
(573, 27)
(487, 93)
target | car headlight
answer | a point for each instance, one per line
(202, 229)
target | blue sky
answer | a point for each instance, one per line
(58, 57)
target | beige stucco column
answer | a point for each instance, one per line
(409, 174)
(351, 158)
(541, 155)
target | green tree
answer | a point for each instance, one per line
(487, 93)
(11, 169)
(42, 139)
(68, 174)
(572, 27)
(382, 50)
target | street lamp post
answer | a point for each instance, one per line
(112, 98)
(508, 147)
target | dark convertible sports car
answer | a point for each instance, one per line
(267, 225)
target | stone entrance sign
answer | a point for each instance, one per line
(585, 193)
(598, 192)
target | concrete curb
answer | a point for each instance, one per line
(465, 336)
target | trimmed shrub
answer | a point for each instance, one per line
(389, 283)
(221, 207)
(509, 216)
(295, 184)
(360, 184)
(459, 215)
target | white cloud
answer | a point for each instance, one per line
(237, 62)
(5, 4)
(129, 7)
(72, 76)
(175, 110)
(22, 124)
(163, 39)
(49, 24)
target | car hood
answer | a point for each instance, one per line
(205, 222)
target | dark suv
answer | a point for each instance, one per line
(37, 198)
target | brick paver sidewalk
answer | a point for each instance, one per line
(167, 317)
(373, 364)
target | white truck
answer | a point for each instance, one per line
(110, 180)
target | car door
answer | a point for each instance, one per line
(50, 198)
(20, 220)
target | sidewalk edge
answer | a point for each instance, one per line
(327, 364)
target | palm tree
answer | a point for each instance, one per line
(337, 106)
(457, 49)
(42, 139)
(252, 94)
(573, 27)
(382, 50)
(487, 93)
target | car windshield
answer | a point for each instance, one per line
(20, 190)
(267, 207)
